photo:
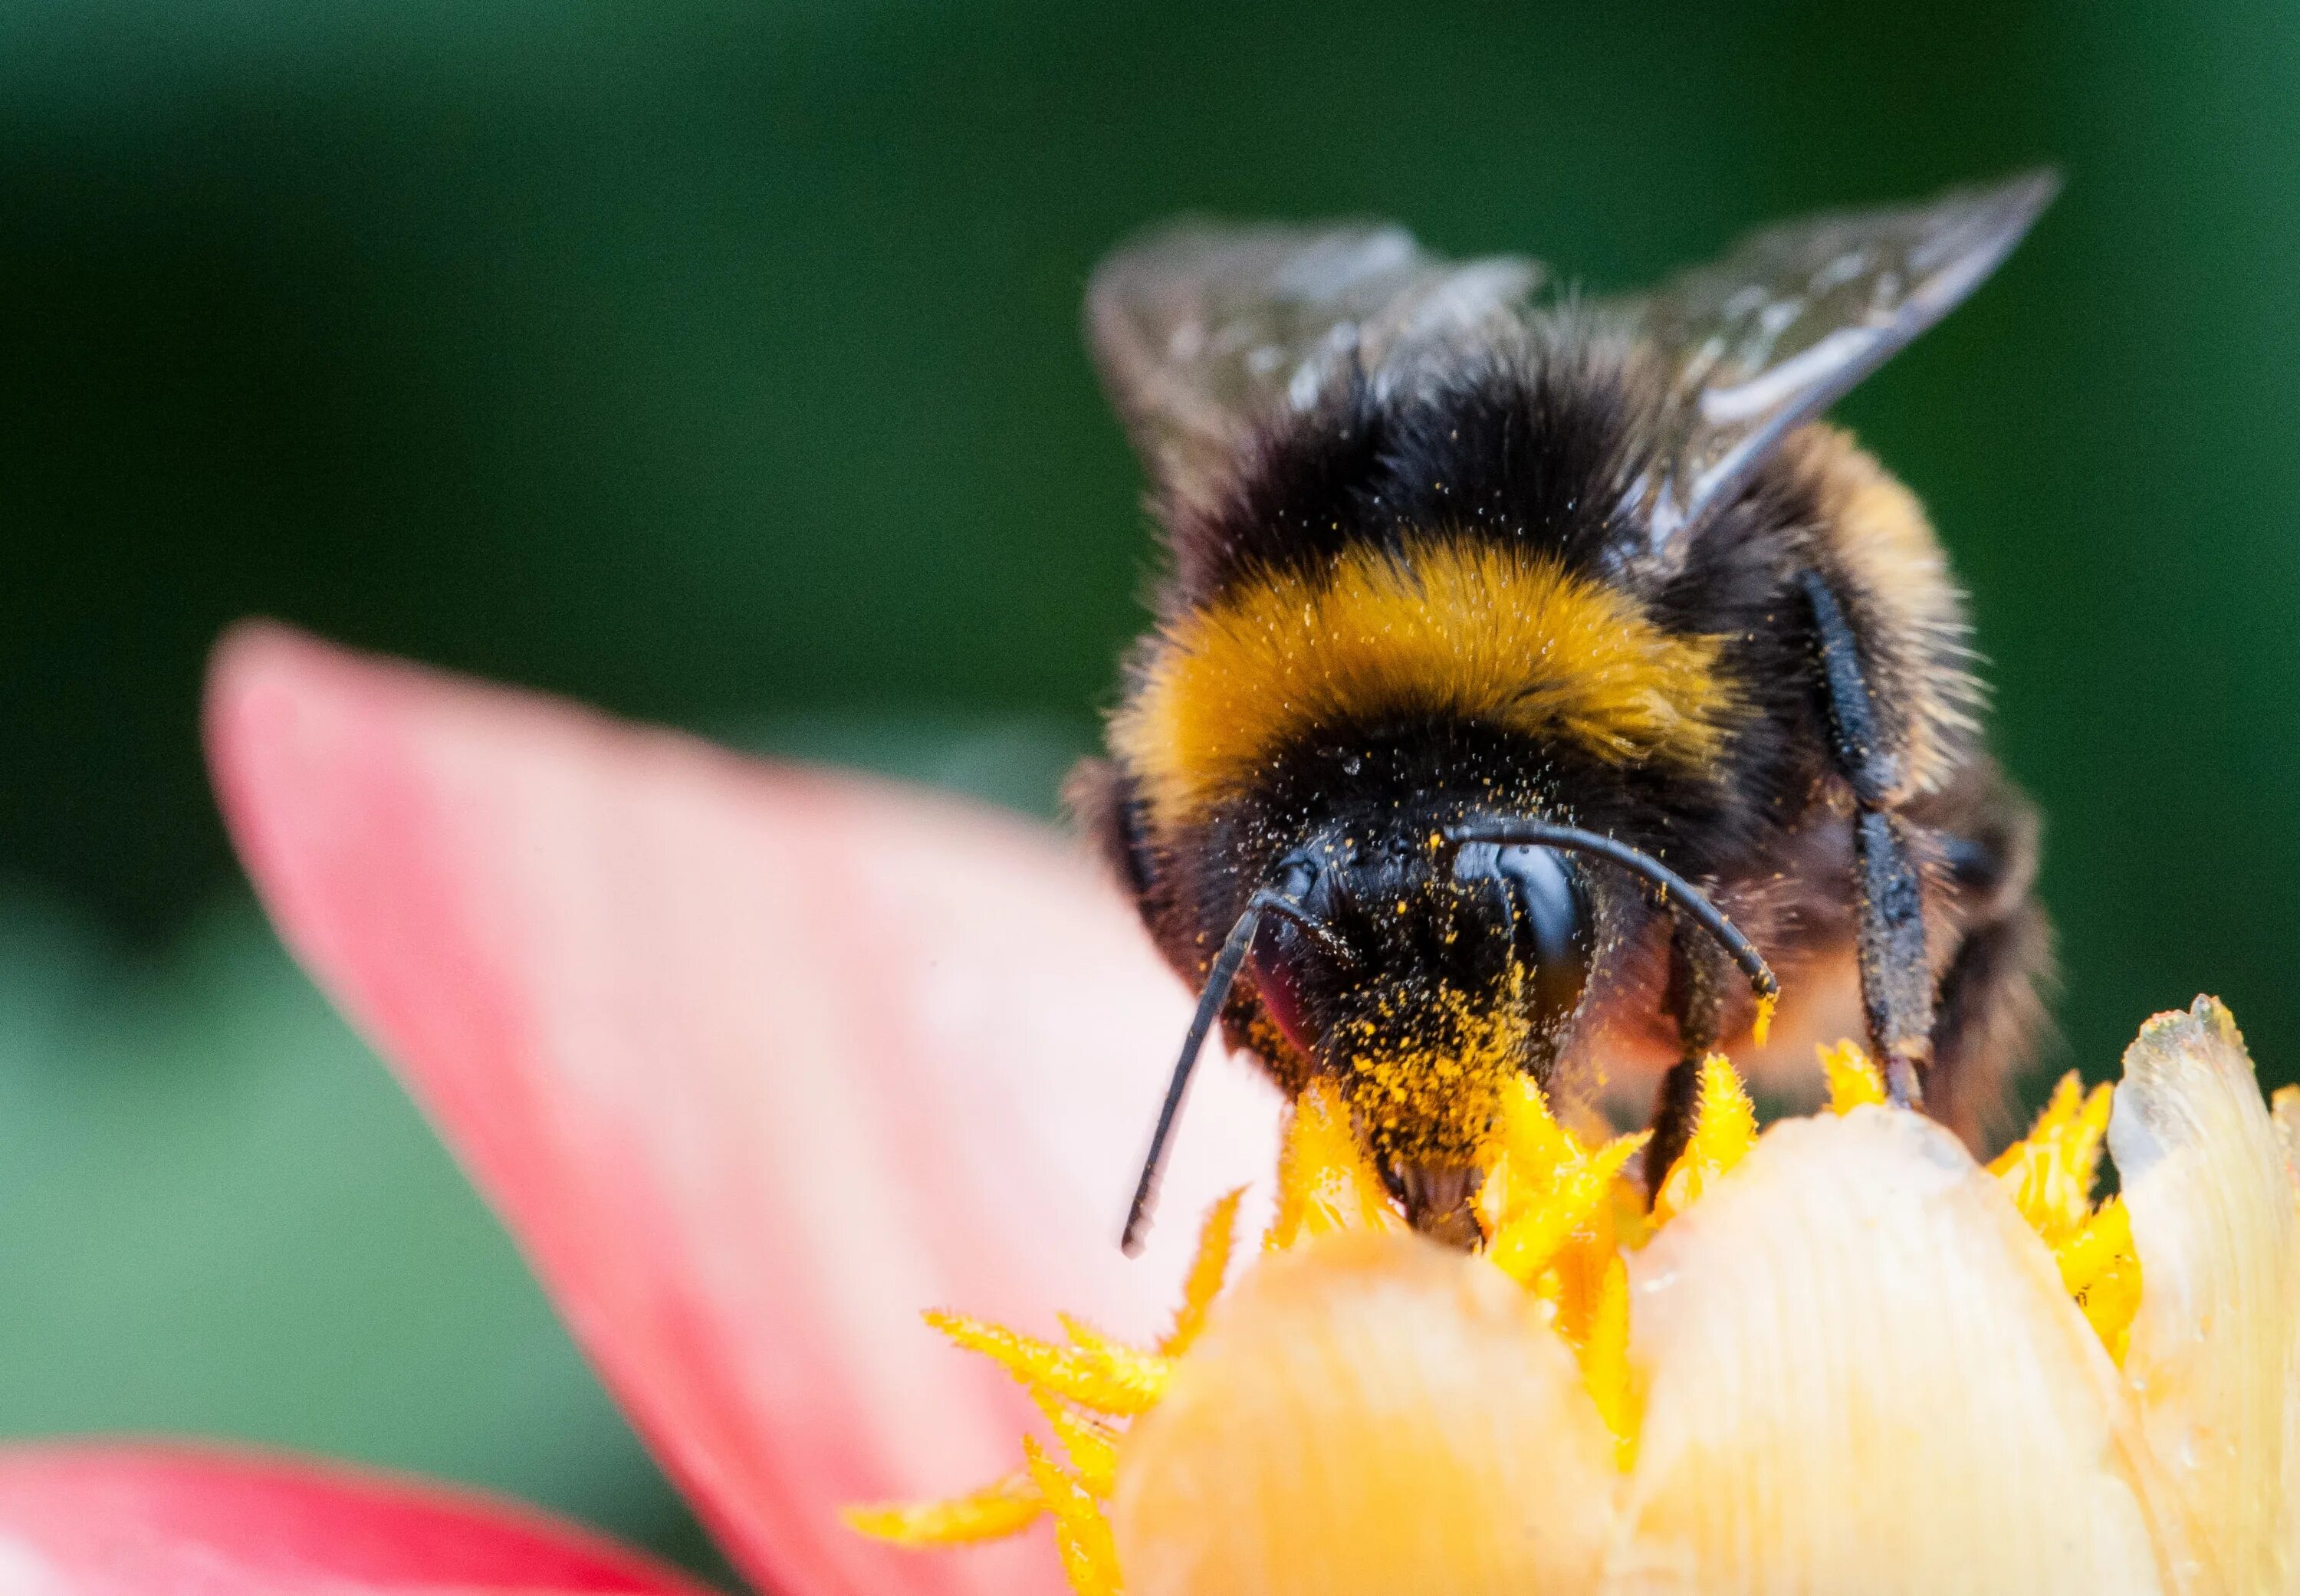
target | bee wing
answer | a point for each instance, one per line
(1774, 333)
(1203, 331)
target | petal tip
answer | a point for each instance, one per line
(259, 679)
(252, 659)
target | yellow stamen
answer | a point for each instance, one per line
(1081, 1533)
(1098, 1374)
(1550, 1205)
(1208, 1268)
(1761, 1026)
(1853, 1082)
(1572, 1200)
(1529, 1148)
(1633, 1226)
(2049, 1173)
(1576, 1282)
(1606, 1363)
(1088, 1440)
(1324, 1181)
(1724, 1129)
(1094, 1371)
(1001, 1508)
(2101, 1268)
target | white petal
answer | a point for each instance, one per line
(1370, 1415)
(2284, 1109)
(2215, 1352)
(1864, 1377)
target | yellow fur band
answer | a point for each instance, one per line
(1454, 627)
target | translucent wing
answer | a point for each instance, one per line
(1778, 330)
(1202, 330)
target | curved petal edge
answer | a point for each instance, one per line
(2214, 1358)
(98, 1519)
(757, 1062)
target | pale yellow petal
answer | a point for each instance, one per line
(1369, 1415)
(2284, 1109)
(1862, 1375)
(2214, 1352)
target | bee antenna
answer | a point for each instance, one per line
(1220, 980)
(1510, 833)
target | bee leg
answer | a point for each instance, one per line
(1896, 982)
(1696, 997)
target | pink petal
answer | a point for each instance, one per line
(172, 1521)
(757, 1061)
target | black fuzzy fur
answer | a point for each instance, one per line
(1538, 448)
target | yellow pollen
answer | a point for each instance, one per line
(1423, 1071)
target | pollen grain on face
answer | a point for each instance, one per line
(1424, 1073)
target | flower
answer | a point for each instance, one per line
(759, 1061)
(1843, 1356)
(755, 1061)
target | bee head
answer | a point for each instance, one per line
(1422, 977)
(1423, 970)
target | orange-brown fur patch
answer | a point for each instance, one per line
(1882, 540)
(1452, 626)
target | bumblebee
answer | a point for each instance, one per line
(1535, 678)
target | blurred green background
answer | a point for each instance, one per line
(717, 363)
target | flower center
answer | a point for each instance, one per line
(1559, 1216)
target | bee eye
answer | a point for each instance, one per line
(1296, 961)
(1299, 968)
(1549, 924)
